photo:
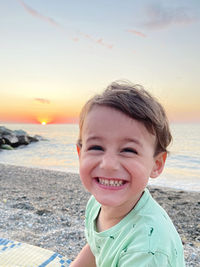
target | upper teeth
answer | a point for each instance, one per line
(110, 182)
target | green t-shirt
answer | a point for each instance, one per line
(146, 237)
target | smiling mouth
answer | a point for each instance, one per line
(111, 182)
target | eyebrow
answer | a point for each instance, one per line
(132, 140)
(93, 138)
(128, 140)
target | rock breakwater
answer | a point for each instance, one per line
(10, 139)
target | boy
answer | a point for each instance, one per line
(124, 134)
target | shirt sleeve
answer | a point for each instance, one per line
(143, 259)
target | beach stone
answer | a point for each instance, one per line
(16, 138)
(25, 206)
(2, 141)
(43, 212)
(33, 138)
(7, 147)
(23, 140)
(5, 131)
(11, 140)
(62, 228)
(19, 132)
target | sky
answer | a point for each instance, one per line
(54, 55)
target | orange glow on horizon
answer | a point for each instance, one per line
(32, 119)
(44, 120)
(25, 110)
(28, 110)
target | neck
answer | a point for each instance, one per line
(110, 216)
(107, 218)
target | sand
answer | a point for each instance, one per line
(46, 208)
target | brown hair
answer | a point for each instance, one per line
(134, 101)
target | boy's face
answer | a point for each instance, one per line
(117, 157)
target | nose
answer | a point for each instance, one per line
(109, 162)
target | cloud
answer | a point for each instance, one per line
(160, 17)
(36, 14)
(99, 41)
(140, 34)
(51, 21)
(42, 100)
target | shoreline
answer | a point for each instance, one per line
(46, 208)
(73, 172)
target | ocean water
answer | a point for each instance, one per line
(58, 152)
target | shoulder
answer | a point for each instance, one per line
(155, 221)
(154, 235)
(150, 213)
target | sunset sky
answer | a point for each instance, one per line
(54, 55)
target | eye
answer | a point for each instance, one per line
(95, 147)
(129, 150)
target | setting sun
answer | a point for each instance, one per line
(43, 123)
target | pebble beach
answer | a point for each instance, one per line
(46, 208)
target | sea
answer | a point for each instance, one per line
(58, 152)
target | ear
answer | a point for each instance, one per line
(159, 164)
(78, 148)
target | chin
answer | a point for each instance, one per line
(108, 202)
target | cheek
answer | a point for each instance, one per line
(139, 171)
(83, 176)
(84, 168)
(87, 161)
(139, 181)
(84, 163)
